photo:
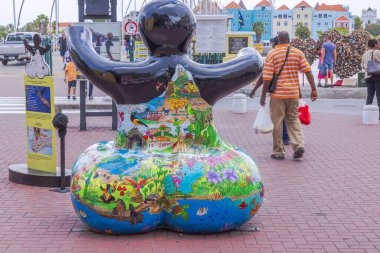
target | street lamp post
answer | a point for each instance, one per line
(14, 16)
(56, 17)
(122, 22)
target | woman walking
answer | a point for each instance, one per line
(372, 82)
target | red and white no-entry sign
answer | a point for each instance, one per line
(130, 28)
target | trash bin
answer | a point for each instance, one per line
(361, 80)
(370, 115)
(239, 103)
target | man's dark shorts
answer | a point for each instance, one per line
(72, 84)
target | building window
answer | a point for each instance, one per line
(263, 8)
(266, 24)
(319, 15)
(326, 24)
(265, 32)
(278, 33)
(278, 23)
(265, 15)
(246, 16)
(306, 15)
(286, 23)
(285, 15)
(280, 16)
(233, 24)
(318, 24)
(298, 16)
(250, 25)
(306, 24)
(258, 15)
(324, 15)
(346, 25)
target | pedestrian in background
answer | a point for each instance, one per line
(70, 78)
(322, 71)
(259, 83)
(372, 82)
(284, 99)
(328, 61)
(63, 48)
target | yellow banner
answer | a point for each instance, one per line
(39, 111)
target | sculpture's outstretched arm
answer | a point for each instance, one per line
(28, 47)
(45, 50)
(127, 83)
(219, 80)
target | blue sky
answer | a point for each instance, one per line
(69, 9)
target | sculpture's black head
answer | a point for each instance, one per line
(166, 27)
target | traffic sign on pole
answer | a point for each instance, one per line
(130, 27)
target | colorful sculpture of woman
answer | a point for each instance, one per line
(168, 166)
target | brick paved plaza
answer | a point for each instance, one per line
(329, 202)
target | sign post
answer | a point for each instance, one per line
(130, 28)
(41, 143)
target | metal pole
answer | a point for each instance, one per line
(14, 16)
(135, 16)
(51, 17)
(114, 116)
(82, 106)
(122, 23)
(63, 166)
(19, 15)
(56, 17)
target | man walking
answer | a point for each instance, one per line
(284, 99)
(328, 60)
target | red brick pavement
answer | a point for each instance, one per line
(329, 202)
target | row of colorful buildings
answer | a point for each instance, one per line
(321, 17)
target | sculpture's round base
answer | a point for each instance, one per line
(121, 191)
(21, 174)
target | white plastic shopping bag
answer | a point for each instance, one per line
(263, 124)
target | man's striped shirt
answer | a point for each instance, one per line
(288, 83)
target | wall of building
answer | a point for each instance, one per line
(263, 15)
(248, 19)
(325, 20)
(282, 21)
(302, 15)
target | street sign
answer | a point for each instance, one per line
(130, 28)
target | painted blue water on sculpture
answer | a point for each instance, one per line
(215, 219)
(119, 165)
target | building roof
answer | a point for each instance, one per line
(232, 5)
(332, 7)
(283, 8)
(342, 18)
(242, 5)
(263, 3)
(303, 3)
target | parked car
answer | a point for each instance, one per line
(13, 47)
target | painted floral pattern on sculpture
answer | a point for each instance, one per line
(168, 167)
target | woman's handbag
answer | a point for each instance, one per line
(272, 85)
(373, 67)
(322, 70)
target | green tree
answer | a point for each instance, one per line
(258, 28)
(373, 29)
(40, 25)
(358, 23)
(342, 30)
(4, 30)
(302, 32)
